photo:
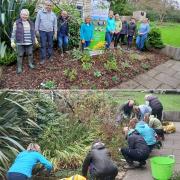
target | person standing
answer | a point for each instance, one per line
(86, 32)
(63, 31)
(155, 104)
(142, 34)
(131, 32)
(99, 163)
(24, 163)
(46, 28)
(123, 31)
(23, 38)
(118, 27)
(110, 29)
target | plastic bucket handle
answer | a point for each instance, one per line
(172, 156)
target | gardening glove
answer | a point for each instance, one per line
(36, 43)
(55, 36)
(13, 45)
(37, 34)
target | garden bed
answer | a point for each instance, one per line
(67, 72)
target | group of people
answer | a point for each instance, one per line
(49, 27)
(143, 133)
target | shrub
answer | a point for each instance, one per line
(86, 66)
(74, 22)
(154, 39)
(71, 74)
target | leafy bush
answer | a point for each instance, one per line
(9, 58)
(86, 66)
(74, 22)
(154, 39)
(97, 73)
(66, 142)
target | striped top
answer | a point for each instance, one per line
(27, 33)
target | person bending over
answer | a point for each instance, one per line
(24, 163)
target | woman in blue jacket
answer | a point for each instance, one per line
(24, 163)
(142, 34)
(86, 32)
(110, 29)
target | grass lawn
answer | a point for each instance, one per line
(171, 102)
(170, 33)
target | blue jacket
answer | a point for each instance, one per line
(143, 110)
(86, 32)
(26, 161)
(146, 132)
(110, 25)
(144, 28)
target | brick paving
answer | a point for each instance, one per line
(171, 146)
(164, 76)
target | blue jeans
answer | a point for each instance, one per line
(108, 39)
(140, 41)
(46, 40)
(62, 41)
(86, 44)
(16, 176)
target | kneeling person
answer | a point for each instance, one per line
(137, 150)
(100, 163)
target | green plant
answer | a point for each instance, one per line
(145, 66)
(74, 22)
(48, 85)
(77, 54)
(126, 64)
(9, 58)
(86, 58)
(154, 39)
(97, 73)
(86, 66)
(111, 65)
(115, 78)
(71, 74)
(3, 48)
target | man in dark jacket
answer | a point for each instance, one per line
(63, 30)
(155, 104)
(131, 32)
(137, 150)
(100, 165)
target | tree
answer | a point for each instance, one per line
(161, 7)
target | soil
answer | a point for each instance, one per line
(130, 64)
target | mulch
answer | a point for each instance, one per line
(130, 64)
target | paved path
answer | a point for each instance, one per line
(171, 146)
(164, 76)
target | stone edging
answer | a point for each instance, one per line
(171, 116)
(172, 52)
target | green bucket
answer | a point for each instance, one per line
(162, 167)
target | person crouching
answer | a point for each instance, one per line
(99, 162)
(137, 150)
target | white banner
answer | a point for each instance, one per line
(100, 9)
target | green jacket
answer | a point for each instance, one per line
(118, 25)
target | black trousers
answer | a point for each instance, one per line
(116, 38)
(131, 155)
(121, 38)
(157, 113)
(16, 176)
(160, 133)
